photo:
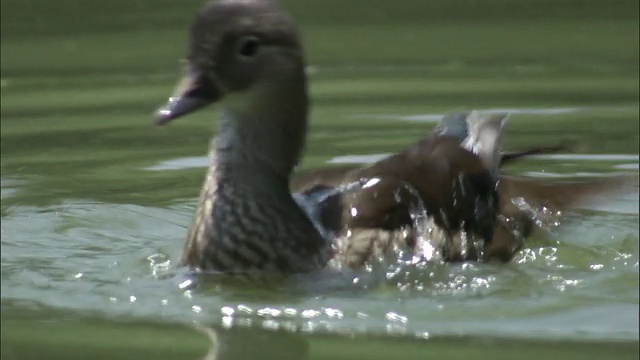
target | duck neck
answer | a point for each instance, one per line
(255, 149)
(262, 141)
(247, 217)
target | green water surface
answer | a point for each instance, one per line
(90, 235)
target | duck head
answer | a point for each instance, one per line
(246, 56)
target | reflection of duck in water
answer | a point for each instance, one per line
(246, 56)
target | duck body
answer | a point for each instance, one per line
(461, 202)
(450, 176)
(452, 181)
(241, 228)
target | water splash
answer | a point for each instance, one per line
(543, 216)
(160, 264)
(388, 251)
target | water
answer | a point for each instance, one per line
(95, 201)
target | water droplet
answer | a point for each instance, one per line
(371, 182)
(270, 324)
(308, 314)
(227, 311)
(270, 312)
(185, 284)
(227, 322)
(290, 311)
(333, 313)
(393, 316)
(361, 315)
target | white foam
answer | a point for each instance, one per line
(357, 159)
(627, 166)
(600, 157)
(370, 158)
(546, 174)
(433, 118)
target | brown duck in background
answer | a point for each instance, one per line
(452, 173)
(449, 175)
(388, 217)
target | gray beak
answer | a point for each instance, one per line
(193, 92)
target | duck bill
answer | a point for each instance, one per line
(194, 91)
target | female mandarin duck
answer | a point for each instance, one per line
(246, 56)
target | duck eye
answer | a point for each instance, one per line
(248, 47)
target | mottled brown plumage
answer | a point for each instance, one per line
(452, 173)
(246, 56)
(383, 218)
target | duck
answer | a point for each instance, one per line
(384, 222)
(443, 176)
(246, 57)
(451, 176)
